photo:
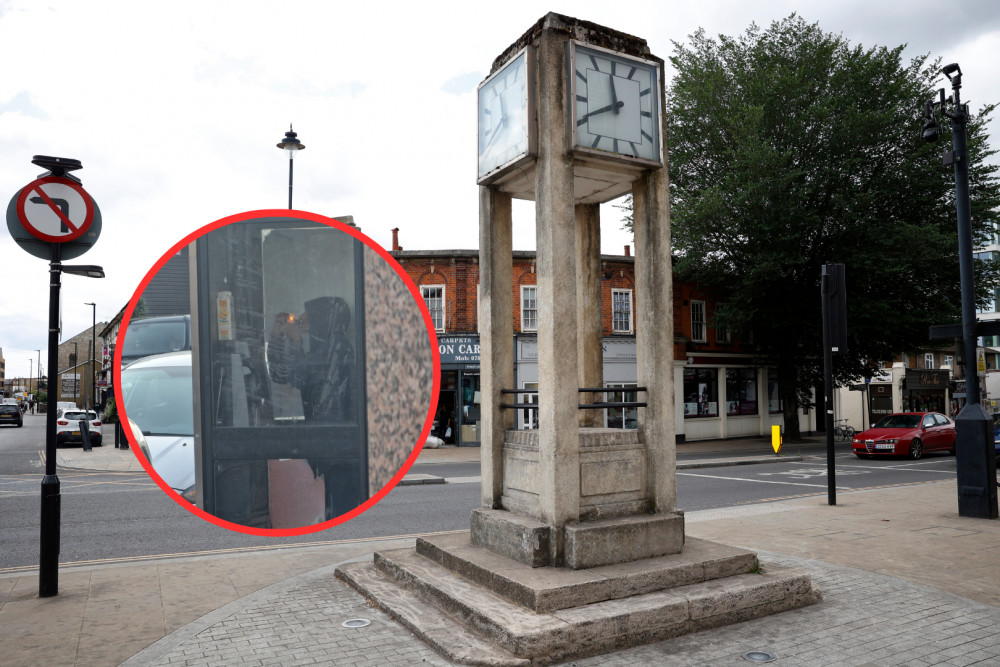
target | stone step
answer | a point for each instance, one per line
(584, 630)
(550, 589)
(431, 625)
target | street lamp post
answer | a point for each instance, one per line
(291, 144)
(38, 380)
(31, 373)
(976, 468)
(90, 362)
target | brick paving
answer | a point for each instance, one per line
(905, 581)
(864, 619)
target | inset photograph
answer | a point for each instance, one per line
(278, 373)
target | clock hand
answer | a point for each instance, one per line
(614, 95)
(496, 131)
(503, 121)
(616, 106)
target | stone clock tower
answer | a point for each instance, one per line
(582, 125)
(578, 547)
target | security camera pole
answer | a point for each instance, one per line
(977, 490)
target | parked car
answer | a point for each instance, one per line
(159, 404)
(906, 434)
(156, 335)
(68, 427)
(63, 406)
(10, 413)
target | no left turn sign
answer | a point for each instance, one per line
(55, 209)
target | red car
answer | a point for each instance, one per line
(906, 434)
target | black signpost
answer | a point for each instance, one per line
(54, 218)
(834, 292)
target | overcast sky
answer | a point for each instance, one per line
(175, 108)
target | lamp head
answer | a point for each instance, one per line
(291, 142)
(948, 70)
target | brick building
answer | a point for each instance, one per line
(720, 391)
(74, 384)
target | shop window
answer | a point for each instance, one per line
(698, 322)
(741, 391)
(701, 392)
(528, 417)
(470, 413)
(529, 308)
(622, 417)
(621, 311)
(434, 296)
(774, 405)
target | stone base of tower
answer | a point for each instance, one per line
(480, 608)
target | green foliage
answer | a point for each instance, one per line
(110, 411)
(789, 148)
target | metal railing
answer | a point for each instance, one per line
(599, 405)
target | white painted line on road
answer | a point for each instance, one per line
(760, 481)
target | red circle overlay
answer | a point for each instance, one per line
(432, 339)
(34, 186)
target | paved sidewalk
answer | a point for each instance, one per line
(905, 580)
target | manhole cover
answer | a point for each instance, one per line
(356, 623)
(758, 656)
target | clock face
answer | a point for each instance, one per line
(615, 106)
(503, 116)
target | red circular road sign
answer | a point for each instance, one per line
(55, 209)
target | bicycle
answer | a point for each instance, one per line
(842, 432)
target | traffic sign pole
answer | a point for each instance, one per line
(54, 218)
(48, 557)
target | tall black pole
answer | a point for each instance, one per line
(975, 465)
(965, 258)
(48, 558)
(93, 353)
(290, 161)
(825, 288)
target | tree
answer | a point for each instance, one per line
(789, 148)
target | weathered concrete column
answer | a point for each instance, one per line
(590, 348)
(496, 337)
(559, 447)
(655, 334)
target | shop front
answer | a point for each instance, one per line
(458, 413)
(926, 390)
(726, 396)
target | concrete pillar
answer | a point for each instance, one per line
(655, 334)
(588, 295)
(559, 455)
(496, 335)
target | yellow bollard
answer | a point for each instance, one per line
(776, 438)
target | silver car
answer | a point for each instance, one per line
(159, 405)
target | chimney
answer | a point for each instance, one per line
(395, 240)
(628, 251)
